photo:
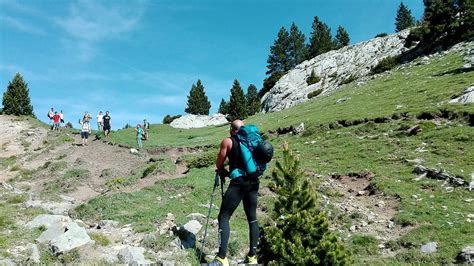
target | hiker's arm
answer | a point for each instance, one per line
(222, 155)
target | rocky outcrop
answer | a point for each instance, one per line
(334, 68)
(466, 97)
(198, 121)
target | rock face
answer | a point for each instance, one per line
(334, 68)
(466, 97)
(198, 121)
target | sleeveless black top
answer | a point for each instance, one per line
(235, 160)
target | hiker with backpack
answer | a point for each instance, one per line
(139, 136)
(85, 131)
(242, 148)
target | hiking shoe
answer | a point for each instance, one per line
(219, 262)
(250, 260)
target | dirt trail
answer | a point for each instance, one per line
(100, 160)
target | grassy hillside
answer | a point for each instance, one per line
(366, 132)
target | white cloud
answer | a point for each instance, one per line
(21, 25)
(92, 21)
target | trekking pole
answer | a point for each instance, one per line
(216, 184)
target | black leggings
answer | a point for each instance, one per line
(239, 190)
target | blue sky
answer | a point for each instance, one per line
(138, 59)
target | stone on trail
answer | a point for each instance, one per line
(133, 256)
(133, 151)
(429, 248)
(34, 254)
(74, 236)
(193, 226)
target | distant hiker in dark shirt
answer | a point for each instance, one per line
(107, 124)
(243, 189)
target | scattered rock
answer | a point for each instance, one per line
(48, 221)
(466, 97)
(343, 99)
(433, 173)
(73, 237)
(299, 129)
(133, 256)
(466, 255)
(30, 133)
(413, 130)
(33, 253)
(361, 193)
(196, 216)
(429, 248)
(199, 121)
(133, 151)
(105, 224)
(193, 226)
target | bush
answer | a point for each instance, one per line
(168, 118)
(202, 160)
(364, 244)
(382, 34)
(314, 93)
(313, 78)
(385, 64)
(100, 239)
(349, 79)
(149, 170)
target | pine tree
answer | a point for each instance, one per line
(16, 100)
(321, 40)
(237, 107)
(300, 234)
(404, 19)
(297, 49)
(342, 37)
(253, 102)
(198, 103)
(223, 107)
(278, 58)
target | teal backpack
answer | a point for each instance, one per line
(255, 152)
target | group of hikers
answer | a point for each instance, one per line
(104, 124)
(56, 120)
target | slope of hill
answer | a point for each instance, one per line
(360, 146)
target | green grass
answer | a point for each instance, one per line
(5, 162)
(100, 239)
(66, 183)
(12, 234)
(380, 146)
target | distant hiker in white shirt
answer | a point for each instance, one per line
(85, 131)
(100, 121)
